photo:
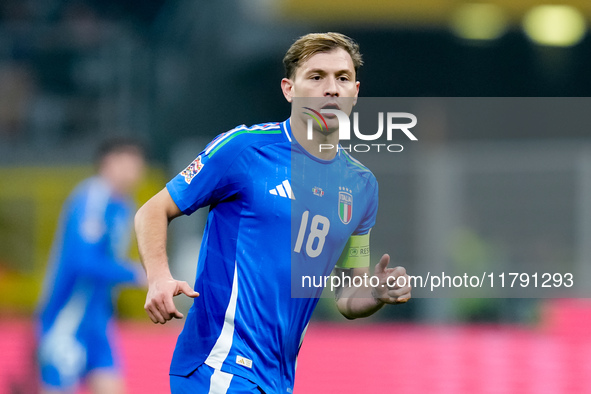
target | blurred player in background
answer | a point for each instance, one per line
(278, 208)
(88, 260)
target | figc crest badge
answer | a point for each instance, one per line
(345, 206)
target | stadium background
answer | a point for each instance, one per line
(176, 73)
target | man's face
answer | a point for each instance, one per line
(123, 170)
(328, 78)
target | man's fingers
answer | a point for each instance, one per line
(382, 264)
(171, 310)
(397, 278)
(160, 305)
(397, 282)
(399, 292)
(155, 314)
(398, 271)
(183, 287)
(161, 309)
(151, 315)
(404, 297)
(393, 299)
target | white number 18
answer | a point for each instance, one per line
(318, 230)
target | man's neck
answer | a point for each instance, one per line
(322, 146)
(110, 184)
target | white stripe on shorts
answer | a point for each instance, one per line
(220, 382)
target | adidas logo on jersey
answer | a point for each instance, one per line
(244, 361)
(283, 190)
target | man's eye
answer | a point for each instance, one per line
(315, 77)
(343, 79)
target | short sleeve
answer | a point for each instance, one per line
(369, 219)
(212, 177)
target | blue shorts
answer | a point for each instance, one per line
(207, 380)
(66, 359)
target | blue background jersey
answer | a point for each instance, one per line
(276, 213)
(88, 259)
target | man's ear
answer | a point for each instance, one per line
(356, 93)
(287, 89)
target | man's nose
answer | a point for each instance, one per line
(331, 88)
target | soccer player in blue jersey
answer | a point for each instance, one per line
(279, 210)
(88, 260)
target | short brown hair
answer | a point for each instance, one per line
(119, 145)
(314, 43)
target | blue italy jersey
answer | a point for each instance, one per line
(88, 259)
(276, 214)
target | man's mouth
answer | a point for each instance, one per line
(330, 106)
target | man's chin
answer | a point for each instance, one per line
(332, 122)
(329, 131)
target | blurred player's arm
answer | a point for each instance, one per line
(93, 262)
(362, 301)
(151, 225)
(92, 259)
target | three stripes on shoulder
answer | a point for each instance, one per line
(283, 190)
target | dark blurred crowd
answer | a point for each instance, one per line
(41, 44)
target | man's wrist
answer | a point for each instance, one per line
(155, 275)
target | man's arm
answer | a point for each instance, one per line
(151, 225)
(354, 302)
(97, 265)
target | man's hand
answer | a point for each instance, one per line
(159, 304)
(388, 290)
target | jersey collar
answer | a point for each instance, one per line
(286, 127)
